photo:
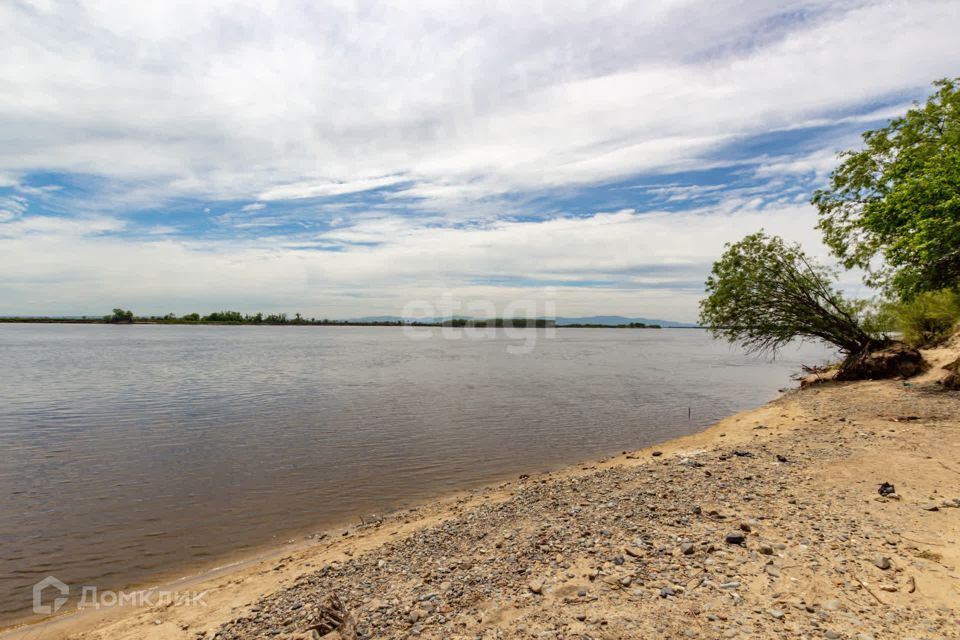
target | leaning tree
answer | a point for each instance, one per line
(764, 293)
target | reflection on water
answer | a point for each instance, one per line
(130, 451)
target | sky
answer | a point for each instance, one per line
(348, 159)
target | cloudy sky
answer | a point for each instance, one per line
(347, 158)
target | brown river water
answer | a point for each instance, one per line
(130, 453)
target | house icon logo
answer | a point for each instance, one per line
(40, 587)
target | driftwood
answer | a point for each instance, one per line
(334, 616)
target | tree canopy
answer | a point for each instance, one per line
(898, 199)
(120, 316)
(763, 293)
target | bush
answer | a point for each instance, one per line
(928, 318)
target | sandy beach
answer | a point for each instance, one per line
(767, 524)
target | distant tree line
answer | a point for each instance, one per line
(125, 316)
(538, 323)
(630, 325)
(237, 317)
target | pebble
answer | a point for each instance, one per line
(735, 537)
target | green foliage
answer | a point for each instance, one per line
(899, 199)
(928, 318)
(120, 316)
(224, 316)
(764, 293)
(191, 317)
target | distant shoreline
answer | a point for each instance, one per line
(469, 324)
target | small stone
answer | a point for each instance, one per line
(657, 454)
(882, 563)
(831, 605)
(772, 570)
(536, 586)
(745, 526)
(735, 537)
(626, 581)
(766, 550)
(831, 635)
(686, 548)
(776, 614)
(930, 507)
(666, 592)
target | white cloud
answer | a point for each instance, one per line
(292, 100)
(12, 207)
(820, 163)
(646, 264)
(299, 190)
(463, 110)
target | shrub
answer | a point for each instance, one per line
(928, 318)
